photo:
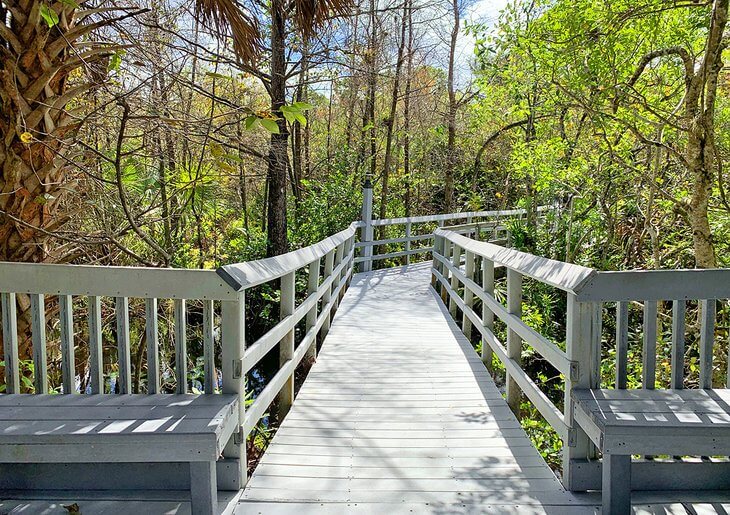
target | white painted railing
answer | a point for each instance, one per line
(456, 266)
(329, 265)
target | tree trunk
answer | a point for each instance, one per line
(407, 114)
(388, 160)
(36, 131)
(277, 242)
(451, 115)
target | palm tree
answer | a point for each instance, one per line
(47, 62)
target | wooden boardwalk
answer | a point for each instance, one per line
(400, 415)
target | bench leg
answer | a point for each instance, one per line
(203, 487)
(616, 485)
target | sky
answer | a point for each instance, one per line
(481, 11)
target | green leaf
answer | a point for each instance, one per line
(250, 122)
(217, 75)
(116, 61)
(70, 3)
(303, 106)
(293, 114)
(49, 15)
(270, 125)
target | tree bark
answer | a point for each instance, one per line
(277, 242)
(451, 115)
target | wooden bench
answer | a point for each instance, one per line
(43, 429)
(650, 422)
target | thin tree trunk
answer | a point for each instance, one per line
(451, 115)
(277, 242)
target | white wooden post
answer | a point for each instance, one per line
(208, 347)
(329, 263)
(339, 256)
(582, 344)
(487, 314)
(707, 338)
(286, 346)
(367, 231)
(10, 343)
(96, 356)
(124, 356)
(514, 341)
(438, 250)
(181, 347)
(649, 351)
(408, 242)
(679, 309)
(66, 319)
(233, 341)
(456, 261)
(153, 354)
(40, 362)
(622, 344)
(312, 287)
(468, 294)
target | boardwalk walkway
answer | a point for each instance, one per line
(399, 415)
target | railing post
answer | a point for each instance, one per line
(456, 261)
(367, 231)
(312, 287)
(286, 346)
(329, 262)
(408, 242)
(468, 294)
(438, 250)
(487, 314)
(232, 475)
(339, 256)
(582, 345)
(514, 342)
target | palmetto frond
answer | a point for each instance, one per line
(229, 17)
(312, 14)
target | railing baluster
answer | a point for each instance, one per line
(68, 355)
(649, 351)
(329, 262)
(514, 342)
(487, 314)
(153, 355)
(208, 347)
(456, 261)
(707, 339)
(622, 344)
(312, 287)
(96, 357)
(181, 346)
(124, 347)
(10, 343)
(466, 326)
(336, 282)
(678, 311)
(286, 346)
(408, 242)
(40, 362)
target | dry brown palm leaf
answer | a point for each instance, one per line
(228, 17)
(311, 14)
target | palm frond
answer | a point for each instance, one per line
(228, 17)
(312, 14)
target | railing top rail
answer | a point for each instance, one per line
(448, 216)
(240, 276)
(640, 285)
(565, 276)
(113, 281)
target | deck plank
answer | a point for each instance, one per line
(400, 409)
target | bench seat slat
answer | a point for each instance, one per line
(677, 422)
(161, 400)
(180, 423)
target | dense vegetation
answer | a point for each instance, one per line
(193, 134)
